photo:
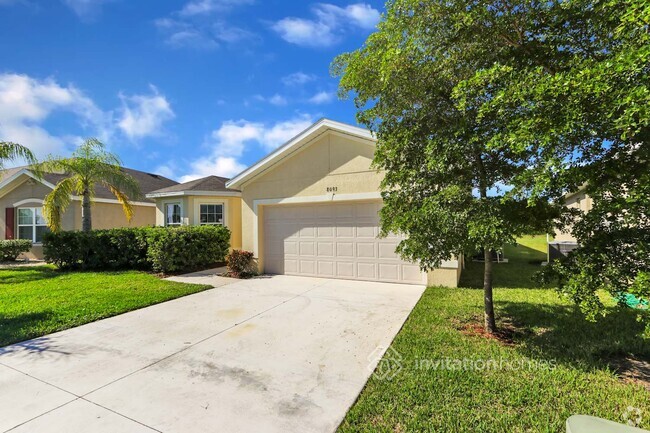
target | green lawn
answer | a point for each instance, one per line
(35, 301)
(555, 366)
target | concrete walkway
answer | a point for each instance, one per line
(274, 354)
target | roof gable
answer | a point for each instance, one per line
(300, 141)
(148, 182)
(210, 185)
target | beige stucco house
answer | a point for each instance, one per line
(309, 208)
(21, 201)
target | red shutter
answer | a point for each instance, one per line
(10, 222)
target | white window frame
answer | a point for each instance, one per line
(223, 214)
(166, 216)
(33, 224)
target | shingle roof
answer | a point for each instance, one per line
(205, 184)
(148, 181)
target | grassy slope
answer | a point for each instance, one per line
(507, 399)
(35, 301)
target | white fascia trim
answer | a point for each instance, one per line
(108, 200)
(28, 200)
(295, 143)
(307, 199)
(197, 193)
(25, 172)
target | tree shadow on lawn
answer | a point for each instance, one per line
(18, 330)
(560, 333)
(27, 274)
(523, 264)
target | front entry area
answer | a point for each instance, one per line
(333, 240)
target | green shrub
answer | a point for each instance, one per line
(11, 249)
(240, 264)
(123, 248)
(161, 249)
(187, 248)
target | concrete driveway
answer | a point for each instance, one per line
(273, 354)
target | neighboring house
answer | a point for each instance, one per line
(308, 208)
(564, 242)
(21, 202)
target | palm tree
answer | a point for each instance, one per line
(11, 151)
(90, 165)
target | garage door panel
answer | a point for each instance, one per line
(345, 270)
(325, 249)
(411, 273)
(290, 247)
(367, 271)
(307, 232)
(367, 231)
(366, 250)
(387, 251)
(325, 231)
(290, 266)
(336, 240)
(345, 249)
(367, 210)
(307, 248)
(389, 271)
(326, 268)
(344, 232)
(343, 211)
(307, 267)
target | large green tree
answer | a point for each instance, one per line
(89, 166)
(12, 151)
(579, 99)
(446, 187)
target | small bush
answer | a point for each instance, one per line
(240, 264)
(11, 249)
(161, 249)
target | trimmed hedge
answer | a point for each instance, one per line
(11, 249)
(161, 249)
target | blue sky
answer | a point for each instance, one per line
(184, 88)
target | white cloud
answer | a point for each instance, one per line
(202, 7)
(331, 22)
(144, 115)
(231, 139)
(305, 32)
(322, 98)
(277, 100)
(298, 79)
(194, 25)
(86, 9)
(25, 103)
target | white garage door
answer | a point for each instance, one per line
(334, 240)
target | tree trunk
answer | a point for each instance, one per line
(86, 217)
(490, 322)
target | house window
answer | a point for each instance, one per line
(31, 224)
(211, 214)
(173, 214)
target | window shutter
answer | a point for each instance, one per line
(10, 222)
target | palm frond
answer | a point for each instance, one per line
(127, 207)
(12, 151)
(57, 201)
